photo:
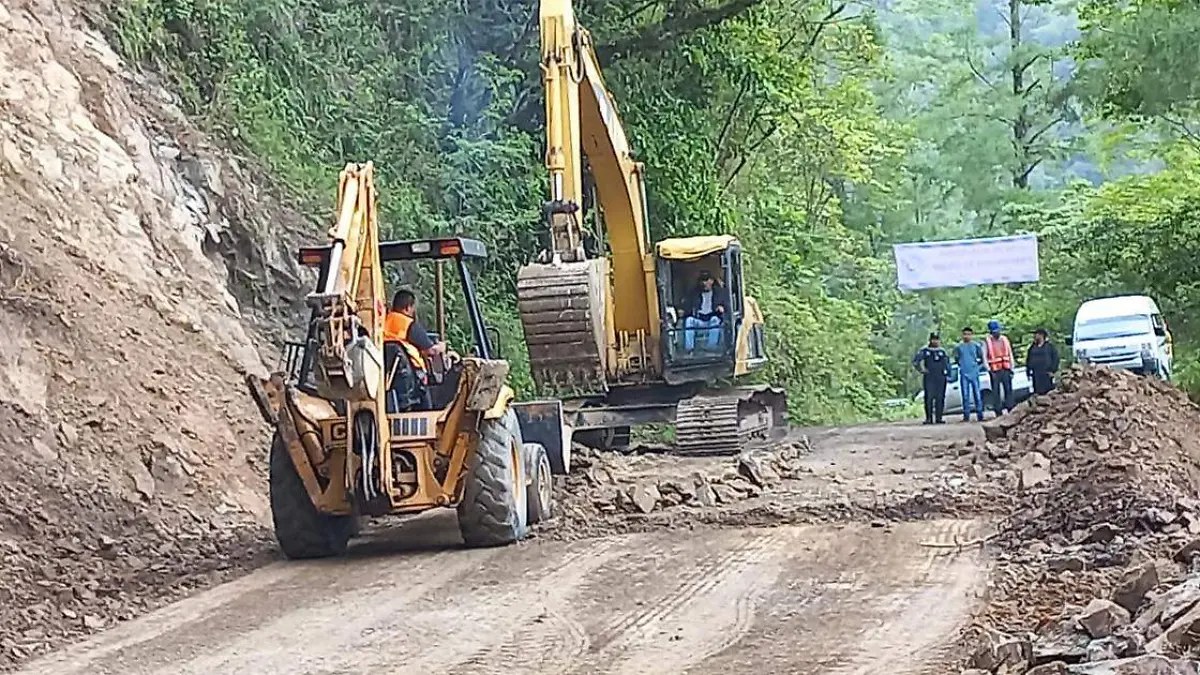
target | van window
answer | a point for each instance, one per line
(1112, 327)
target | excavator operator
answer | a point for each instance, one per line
(402, 327)
(705, 311)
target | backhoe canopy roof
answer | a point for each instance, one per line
(691, 248)
(416, 249)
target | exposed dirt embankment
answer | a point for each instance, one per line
(131, 455)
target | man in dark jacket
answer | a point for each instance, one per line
(706, 309)
(1041, 362)
(934, 364)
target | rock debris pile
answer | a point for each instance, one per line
(66, 576)
(1108, 447)
(1098, 569)
(607, 483)
(1147, 624)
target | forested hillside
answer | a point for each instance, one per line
(820, 133)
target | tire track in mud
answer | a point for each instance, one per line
(775, 601)
(261, 623)
(690, 631)
(865, 602)
(557, 641)
(920, 614)
(684, 585)
(323, 633)
(554, 640)
(525, 621)
(691, 620)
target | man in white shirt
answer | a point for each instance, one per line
(707, 310)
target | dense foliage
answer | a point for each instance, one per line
(820, 133)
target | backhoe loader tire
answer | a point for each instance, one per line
(493, 509)
(538, 493)
(301, 530)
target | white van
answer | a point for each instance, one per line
(1123, 332)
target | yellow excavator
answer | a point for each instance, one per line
(631, 335)
(360, 432)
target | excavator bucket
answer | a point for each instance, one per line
(561, 308)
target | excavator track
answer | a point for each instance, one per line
(722, 423)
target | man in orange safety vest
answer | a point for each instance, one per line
(401, 326)
(999, 354)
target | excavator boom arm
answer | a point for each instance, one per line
(580, 335)
(582, 119)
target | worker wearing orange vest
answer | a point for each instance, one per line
(401, 326)
(999, 354)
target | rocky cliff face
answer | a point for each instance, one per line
(143, 271)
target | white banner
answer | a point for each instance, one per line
(967, 262)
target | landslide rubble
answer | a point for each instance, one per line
(1097, 569)
(132, 262)
(608, 492)
(1108, 447)
(895, 476)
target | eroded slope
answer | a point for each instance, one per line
(131, 456)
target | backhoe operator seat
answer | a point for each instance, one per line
(406, 392)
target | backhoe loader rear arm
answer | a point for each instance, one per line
(350, 309)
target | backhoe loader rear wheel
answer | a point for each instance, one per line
(538, 492)
(302, 531)
(493, 509)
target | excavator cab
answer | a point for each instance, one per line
(710, 330)
(349, 443)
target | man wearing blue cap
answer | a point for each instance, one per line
(1000, 360)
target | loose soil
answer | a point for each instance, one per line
(133, 459)
(777, 600)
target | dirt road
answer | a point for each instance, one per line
(853, 599)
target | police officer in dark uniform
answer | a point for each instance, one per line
(934, 365)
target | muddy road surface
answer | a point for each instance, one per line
(841, 581)
(829, 599)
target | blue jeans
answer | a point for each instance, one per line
(691, 323)
(969, 386)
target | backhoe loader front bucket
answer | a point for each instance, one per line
(542, 423)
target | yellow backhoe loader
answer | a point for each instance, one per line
(360, 432)
(628, 338)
